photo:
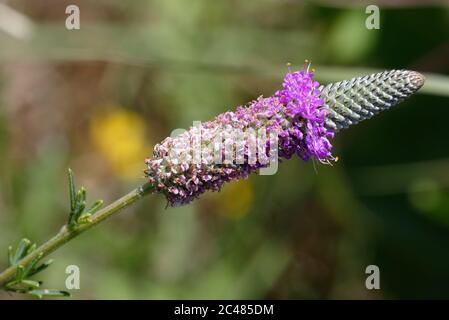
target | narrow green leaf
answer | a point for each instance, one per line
(83, 194)
(10, 285)
(85, 217)
(80, 205)
(19, 273)
(72, 219)
(10, 256)
(22, 249)
(30, 283)
(73, 197)
(79, 210)
(30, 267)
(40, 293)
(72, 192)
(30, 249)
(40, 268)
(80, 202)
(95, 207)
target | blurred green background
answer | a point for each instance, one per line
(98, 99)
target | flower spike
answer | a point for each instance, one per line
(355, 100)
(302, 115)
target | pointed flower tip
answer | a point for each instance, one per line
(417, 79)
(352, 101)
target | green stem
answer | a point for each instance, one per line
(66, 234)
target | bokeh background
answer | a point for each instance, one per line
(98, 99)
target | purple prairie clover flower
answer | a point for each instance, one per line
(221, 150)
(308, 136)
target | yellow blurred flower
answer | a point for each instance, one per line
(119, 135)
(235, 199)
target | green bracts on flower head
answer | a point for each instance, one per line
(352, 101)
